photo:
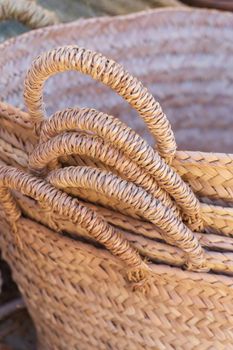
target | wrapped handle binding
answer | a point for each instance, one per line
(72, 209)
(108, 72)
(27, 12)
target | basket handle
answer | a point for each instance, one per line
(108, 72)
(45, 157)
(123, 138)
(27, 12)
(72, 209)
(148, 207)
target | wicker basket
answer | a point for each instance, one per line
(98, 193)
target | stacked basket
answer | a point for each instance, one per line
(115, 243)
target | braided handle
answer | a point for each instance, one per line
(72, 209)
(113, 143)
(73, 143)
(27, 12)
(108, 72)
(115, 132)
(151, 209)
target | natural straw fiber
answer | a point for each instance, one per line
(116, 243)
(27, 12)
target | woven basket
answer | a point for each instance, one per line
(97, 194)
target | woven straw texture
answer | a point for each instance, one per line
(26, 12)
(118, 240)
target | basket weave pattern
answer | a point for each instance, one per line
(102, 208)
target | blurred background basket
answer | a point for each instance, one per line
(226, 5)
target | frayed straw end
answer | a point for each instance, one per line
(201, 266)
(194, 224)
(141, 278)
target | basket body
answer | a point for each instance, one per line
(77, 295)
(77, 292)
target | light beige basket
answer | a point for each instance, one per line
(75, 255)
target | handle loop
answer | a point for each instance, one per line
(95, 147)
(72, 209)
(116, 141)
(15, 115)
(117, 133)
(111, 186)
(108, 72)
(27, 12)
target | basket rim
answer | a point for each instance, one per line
(202, 12)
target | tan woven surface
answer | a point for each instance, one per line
(103, 312)
(143, 235)
(140, 205)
